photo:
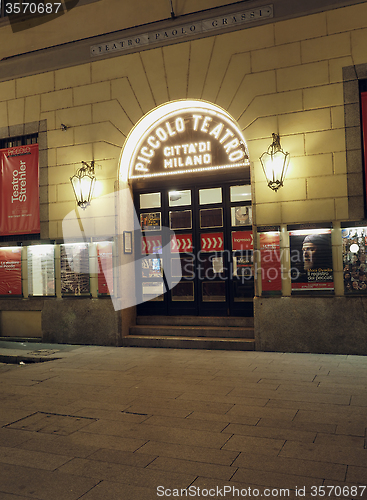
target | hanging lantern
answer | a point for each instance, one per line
(275, 163)
(83, 184)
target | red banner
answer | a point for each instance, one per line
(271, 279)
(364, 130)
(19, 190)
(242, 240)
(11, 271)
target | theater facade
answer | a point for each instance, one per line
(164, 116)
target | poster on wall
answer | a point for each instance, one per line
(271, 279)
(11, 271)
(41, 270)
(355, 260)
(19, 190)
(74, 263)
(105, 267)
(311, 260)
(364, 135)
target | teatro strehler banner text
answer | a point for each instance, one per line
(19, 190)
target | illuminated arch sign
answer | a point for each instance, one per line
(184, 137)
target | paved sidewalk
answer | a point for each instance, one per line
(105, 423)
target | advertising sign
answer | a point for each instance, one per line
(11, 271)
(212, 242)
(311, 260)
(151, 244)
(271, 279)
(185, 138)
(181, 243)
(19, 190)
(242, 240)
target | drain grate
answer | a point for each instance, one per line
(51, 423)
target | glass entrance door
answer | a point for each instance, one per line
(206, 267)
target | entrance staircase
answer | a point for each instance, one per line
(192, 332)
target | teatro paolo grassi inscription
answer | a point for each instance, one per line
(189, 142)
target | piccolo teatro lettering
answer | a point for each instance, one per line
(189, 142)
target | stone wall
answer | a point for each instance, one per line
(334, 325)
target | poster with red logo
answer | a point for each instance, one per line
(271, 279)
(10, 271)
(105, 268)
(242, 240)
(19, 190)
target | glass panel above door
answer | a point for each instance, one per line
(150, 221)
(211, 195)
(213, 291)
(241, 216)
(181, 219)
(183, 291)
(151, 268)
(150, 200)
(240, 193)
(211, 217)
(179, 198)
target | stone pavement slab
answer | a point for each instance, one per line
(102, 423)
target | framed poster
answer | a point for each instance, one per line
(128, 242)
(311, 260)
(105, 267)
(355, 260)
(11, 271)
(41, 270)
(271, 279)
(74, 262)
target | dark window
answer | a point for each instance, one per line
(22, 140)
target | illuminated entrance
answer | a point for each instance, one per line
(190, 172)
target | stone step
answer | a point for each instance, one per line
(21, 339)
(193, 331)
(239, 321)
(209, 343)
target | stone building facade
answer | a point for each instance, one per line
(83, 81)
